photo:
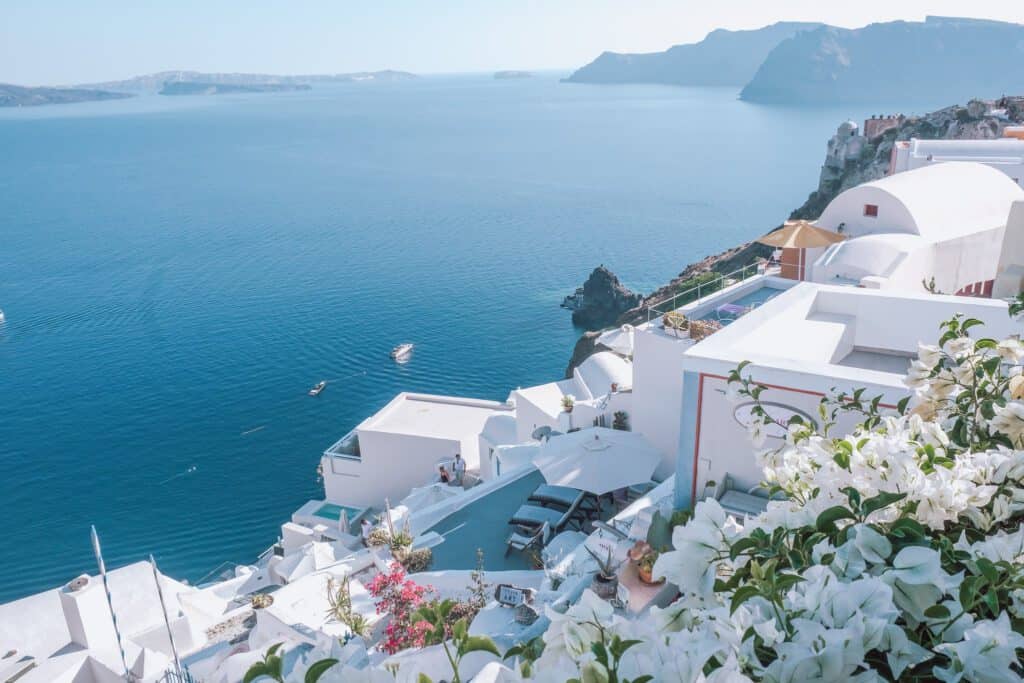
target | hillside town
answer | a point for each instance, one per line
(591, 498)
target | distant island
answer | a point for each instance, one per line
(503, 75)
(722, 58)
(183, 83)
(200, 88)
(19, 96)
(940, 58)
(157, 81)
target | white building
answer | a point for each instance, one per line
(802, 344)
(600, 387)
(1004, 154)
(944, 221)
(66, 635)
(401, 446)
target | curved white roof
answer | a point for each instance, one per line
(500, 429)
(938, 202)
(867, 255)
(598, 372)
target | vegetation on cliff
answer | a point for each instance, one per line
(18, 96)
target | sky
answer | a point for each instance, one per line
(60, 42)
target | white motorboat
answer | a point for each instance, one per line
(315, 391)
(402, 351)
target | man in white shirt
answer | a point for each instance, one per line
(459, 468)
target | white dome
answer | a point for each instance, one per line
(598, 372)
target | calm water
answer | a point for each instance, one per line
(178, 271)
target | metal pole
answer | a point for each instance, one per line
(167, 619)
(106, 589)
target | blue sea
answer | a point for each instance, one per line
(177, 272)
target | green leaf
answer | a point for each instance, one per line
(255, 671)
(827, 520)
(317, 669)
(478, 644)
(988, 570)
(741, 595)
(786, 581)
(881, 501)
(272, 650)
(742, 545)
(423, 678)
(937, 612)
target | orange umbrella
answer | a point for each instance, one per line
(800, 235)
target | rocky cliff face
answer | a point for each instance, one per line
(603, 300)
(722, 58)
(853, 159)
(942, 59)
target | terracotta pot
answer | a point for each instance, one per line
(604, 587)
(645, 575)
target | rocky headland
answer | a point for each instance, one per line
(851, 158)
(722, 58)
(20, 96)
(939, 59)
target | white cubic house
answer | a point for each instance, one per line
(401, 446)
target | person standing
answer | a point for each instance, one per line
(365, 529)
(459, 468)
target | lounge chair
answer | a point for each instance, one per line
(535, 515)
(520, 541)
(567, 497)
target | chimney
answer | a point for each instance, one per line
(87, 614)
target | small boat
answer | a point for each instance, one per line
(1, 315)
(315, 391)
(402, 351)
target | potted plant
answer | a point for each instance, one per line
(675, 321)
(620, 421)
(568, 401)
(644, 556)
(606, 581)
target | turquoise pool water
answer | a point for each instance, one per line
(333, 512)
(748, 300)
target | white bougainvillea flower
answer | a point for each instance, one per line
(985, 654)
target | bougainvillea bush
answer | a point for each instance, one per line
(399, 597)
(893, 552)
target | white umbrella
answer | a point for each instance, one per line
(597, 460)
(619, 340)
(343, 525)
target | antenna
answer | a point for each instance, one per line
(129, 676)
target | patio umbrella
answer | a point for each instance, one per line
(619, 340)
(598, 460)
(343, 525)
(800, 235)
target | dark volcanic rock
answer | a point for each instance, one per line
(604, 300)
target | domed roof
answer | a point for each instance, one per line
(598, 372)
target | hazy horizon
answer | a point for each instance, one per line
(60, 42)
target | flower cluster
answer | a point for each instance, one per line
(399, 597)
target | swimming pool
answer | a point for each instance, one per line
(333, 512)
(735, 307)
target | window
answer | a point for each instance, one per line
(871, 210)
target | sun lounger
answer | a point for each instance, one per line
(566, 496)
(534, 515)
(522, 541)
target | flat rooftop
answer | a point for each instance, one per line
(842, 333)
(445, 417)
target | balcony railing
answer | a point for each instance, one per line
(346, 447)
(702, 289)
